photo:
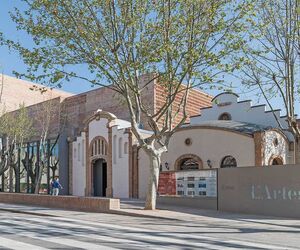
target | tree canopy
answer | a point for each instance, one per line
(182, 44)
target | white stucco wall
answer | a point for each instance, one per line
(98, 128)
(211, 144)
(239, 111)
(120, 163)
(281, 150)
(78, 166)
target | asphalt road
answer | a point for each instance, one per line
(79, 230)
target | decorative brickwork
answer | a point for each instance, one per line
(135, 172)
(167, 183)
(130, 163)
(70, 151)
(109, 189)
(88, 187)
(259, 148)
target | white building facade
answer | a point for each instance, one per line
(106, 160)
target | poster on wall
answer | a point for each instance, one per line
(197, 183)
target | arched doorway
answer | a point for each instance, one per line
(98, 154)
(99, 177)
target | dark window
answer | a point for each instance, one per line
(228, 162)
(277, 161)
(225, 117)
(189, 164)
(188, 141)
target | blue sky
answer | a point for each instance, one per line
(10, 61)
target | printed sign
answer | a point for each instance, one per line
(197, 183)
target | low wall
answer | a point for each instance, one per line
(90, 204)
(272, 191)
(191, 202)
(167, 183)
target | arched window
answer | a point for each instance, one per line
(277, 161)
(126, 148)
(225, 117)
(120, 147)
(98, 147)
(228, 162)
(189, 164)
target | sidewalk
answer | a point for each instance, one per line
(213, 229)
(135, 208)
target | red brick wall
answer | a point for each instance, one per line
(91, 204)
(167, 183)
(78, 108)
(41, 112)
(196, 100)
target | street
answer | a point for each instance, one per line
(59, 229)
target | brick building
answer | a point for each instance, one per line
(98, 155)
(14, 92)
(69, 113)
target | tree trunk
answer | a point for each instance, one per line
(39, 179)
(17, 179)
(153, 182)
(17, 169)
(11, 180)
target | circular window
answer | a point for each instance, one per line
(188, 141)
(275, 142)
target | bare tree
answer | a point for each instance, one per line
(15, 128)
(273, 58)
(49, 122)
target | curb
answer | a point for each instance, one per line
(125, 213)
(116, 212)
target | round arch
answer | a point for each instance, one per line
(188, 162)
(276, 160)
(228, 161)
(98, 148)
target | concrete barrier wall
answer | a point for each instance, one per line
(191, 202)
(273, 190)
(90, 204)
